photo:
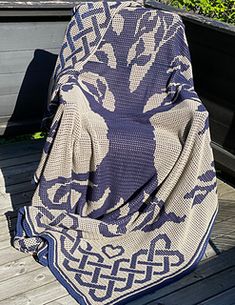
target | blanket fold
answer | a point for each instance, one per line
(126, 185)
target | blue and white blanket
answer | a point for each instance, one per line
(126, 186)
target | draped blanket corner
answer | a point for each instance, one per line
(125, 193)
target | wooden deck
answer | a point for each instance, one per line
(25, 282)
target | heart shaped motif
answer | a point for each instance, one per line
(110, 251)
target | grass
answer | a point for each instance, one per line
(222, 10)
(25, 137)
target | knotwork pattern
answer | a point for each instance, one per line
(104, 277)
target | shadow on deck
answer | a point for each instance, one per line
(24, 281)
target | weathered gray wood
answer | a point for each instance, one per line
(3, 239)
(5, 230)
(21, 187)
(8, 202)
(7, 226)
(23, 174)
(224, 243)
(3, 119)
(28, 52)
(15, 286)
(36, 12)
(7, 103)
(227, 297)
(9, 149)
(10, 254)
(31, 35)
(40, 4)
(224, 228)
(40, 295)
(17, 61)
(21, 269)
(26, 125)
(22, 150)
(224, 215)
(19, 168)
(212, 285)
(209, 252)
(18, 267)
(22, 160)
(10, 84)
(204, 270)
(5, 243)
(18, 178)
(68, 300)
(226, 192)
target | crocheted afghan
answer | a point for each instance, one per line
(126, 185)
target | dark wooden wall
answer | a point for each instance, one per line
(28, 51)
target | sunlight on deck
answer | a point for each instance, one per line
(24, 281)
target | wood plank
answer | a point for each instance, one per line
(10, 203)
(11, 144)
(5, 227)
(15, 200)
(223, 217)
(227, 213)
(40, 295)
(226, 297)
(27, 124)
(209, 252)
(23, 174)
(5, 239)
(35, 38)
(18, 267)
(7, 181)
(19, 188)
(204, 270)
(11, 85)
(39, 4)
(10, 254)
(19, 173)
(31, 35)
(226, 192)
(8, 223)
(225, 243)
(224, 228)
(8, 151)
(68, 300)
(3, 119)
(19, 168)
(209, 287)
(15, 269)
(14, 286)
(5, 210)
(65, 13)
(21, 89)
(18, 61)
(225, 206)
(5, 243)
(65, 300)
(7, 103)
(10, 217)
(22, 160)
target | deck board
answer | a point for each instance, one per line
(18, 162)
(226, 297)
(218, 282)
(204, 271)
